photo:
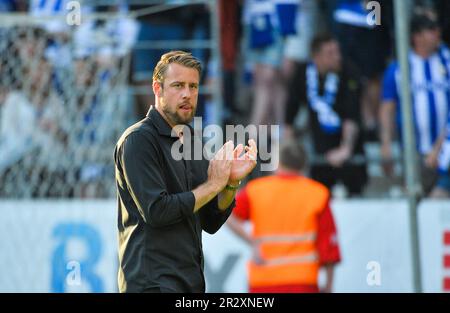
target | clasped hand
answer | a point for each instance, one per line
(232, 164)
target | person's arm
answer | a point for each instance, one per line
(226, 196)
(431, 159)
(295, 96)
(349, 98)
(327, 244)
(241, 213)
(204, 194)
(236, 223)
(338, 156)
(216, 212)
(145, 181)
(329, 273)
(387, 113)
(218, 175)
(350, 132)
(237, 227)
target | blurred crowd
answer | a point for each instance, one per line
(324, 70)
(61, 88)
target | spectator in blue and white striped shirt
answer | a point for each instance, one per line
(51, 8)
(429, 62)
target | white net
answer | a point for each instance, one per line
(63, 104)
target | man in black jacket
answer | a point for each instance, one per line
(165, 202)
(330, 88)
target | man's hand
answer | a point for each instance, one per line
(220, 167)
(243, 165)
(431, 159)
(218, 175)
(338, 156)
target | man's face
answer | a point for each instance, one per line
(329, 56)
(428, 39)
(179, 94)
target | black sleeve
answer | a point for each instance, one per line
(143, 174)
(352, 94)
(211, 218)
(296, 93)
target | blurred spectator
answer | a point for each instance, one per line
(166, 25)
(16, 105)
(96, 96)
(51, 14)
(30, 44)
(367, 45)
(266, 27)
(65, 100)
(330, 87)
(92, 99)
(51, 9)
(297, 50)
(15, 138)
(430, 77)
(298, 45)
(294, 234)
(46, 173)
(106, 40)
(31, 131)
(229, 37)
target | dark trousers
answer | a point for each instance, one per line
(354, 177)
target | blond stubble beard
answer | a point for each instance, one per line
(174, 117)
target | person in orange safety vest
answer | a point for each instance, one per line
(294, 233)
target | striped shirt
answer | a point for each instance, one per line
(430, 92)
(444, 153)
(48, 7)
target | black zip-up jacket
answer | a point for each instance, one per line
(160, 238)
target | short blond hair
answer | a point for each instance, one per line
(179, 57)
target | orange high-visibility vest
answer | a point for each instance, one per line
(284, 213)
